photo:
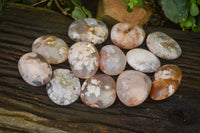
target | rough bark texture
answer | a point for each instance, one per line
(24, 108)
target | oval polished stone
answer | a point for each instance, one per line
(99, 91)
(142, 60)
(34, 69)
(84, 59)
(127, 35)
(52, 48)
(166, 81)
(88, 30)
(63, 88)
(163, 46)
(112, 60)
(133, 87)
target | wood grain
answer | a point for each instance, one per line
(24, 108)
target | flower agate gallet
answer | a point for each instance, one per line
(84, 59)
(63, 88)
(112, 60)
(142, 60)
(166, 81)
(99, 91)
(133, 87)
(163, 46)
(34, 69)
(88, 30)
(127, 36)
(52, 48)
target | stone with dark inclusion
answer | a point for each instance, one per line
(88, 30)
(163, 45)
(99, 91)
(52, 48)
(34, 69)
(63, 88)
(166, 81)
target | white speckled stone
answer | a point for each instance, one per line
(63, 88)
(88, 30)
(99, 91)
(142, 60)
(112, 60)
(133, 87)
(127, 36)
(163, 46)
(34, 69)
(84, 59)
(52, 48)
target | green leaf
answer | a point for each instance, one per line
(67, 9)
(198, 2)
(175, 10)
(198, 20)
(194, 9)
(77, 13)
(188, 4)
(87, 12)
(131, 4)
(192, 1)
(126, 1)
(139, 2)
(129, 9)
(77, 3)
(101, 19)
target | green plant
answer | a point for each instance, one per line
(73, 8)
(185, 12)
(132, 3)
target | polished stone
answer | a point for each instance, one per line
(166, 81)
(34, 69)
(112, 60)
(142, 60)
(63, 88)
(163, 45)
(88, 30)
(127, 36)
(99, 91)
(52, 48)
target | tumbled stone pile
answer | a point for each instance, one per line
(100, 90)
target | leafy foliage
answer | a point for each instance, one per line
(132, 3)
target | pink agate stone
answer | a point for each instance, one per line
(99, 91)
(133, 87)
(112, 60)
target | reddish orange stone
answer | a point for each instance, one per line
(166, 81)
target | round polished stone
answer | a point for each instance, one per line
(163, 46)
(133, 87)
(166, 81)
(99, 91)
(52, 48)
(63, 88)
(34, 69)
(88, 30)
(127, 35)
(84, 59)
(112, 60)
(142, 60)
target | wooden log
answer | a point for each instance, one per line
(24, 108)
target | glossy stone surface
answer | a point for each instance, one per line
(133, 87)
(63, 88)
(34, 69)
(142, 60)
(99, 91)
(84, 59)
(166, 81)
(127, 35)
(52, 48)
(112, 60)
(163, 46)
(88, 30)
